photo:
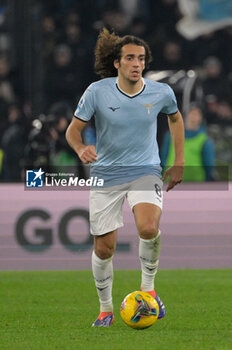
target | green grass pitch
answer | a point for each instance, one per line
(55, 310)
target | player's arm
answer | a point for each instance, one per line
(175, 172)
(87, 154)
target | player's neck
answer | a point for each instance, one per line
(129, 87)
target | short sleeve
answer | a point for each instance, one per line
(170, 103)
(85, 108)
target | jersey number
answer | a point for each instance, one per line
(158, 190)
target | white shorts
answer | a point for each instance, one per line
(106, 205)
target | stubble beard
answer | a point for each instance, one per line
(134, 82)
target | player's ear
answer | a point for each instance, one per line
(116, 63)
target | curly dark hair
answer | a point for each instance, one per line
(108, 49)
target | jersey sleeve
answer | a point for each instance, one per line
(85, 108)
(170, 103)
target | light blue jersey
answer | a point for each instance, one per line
(126, 128)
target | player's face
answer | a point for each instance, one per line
(132, 62)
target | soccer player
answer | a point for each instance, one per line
(125, 107)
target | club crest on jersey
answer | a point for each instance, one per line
(149, 106)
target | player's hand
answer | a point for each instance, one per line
(175, 174)
(88, 154)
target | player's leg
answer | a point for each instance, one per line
(147, 217)
(105, 218)
(147, 209)
(104, 247)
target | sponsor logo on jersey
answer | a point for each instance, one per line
(114, 108)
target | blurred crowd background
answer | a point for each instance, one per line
(46, 63)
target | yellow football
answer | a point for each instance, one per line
(139, 310)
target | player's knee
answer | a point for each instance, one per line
(148, 231)
(104, 252)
